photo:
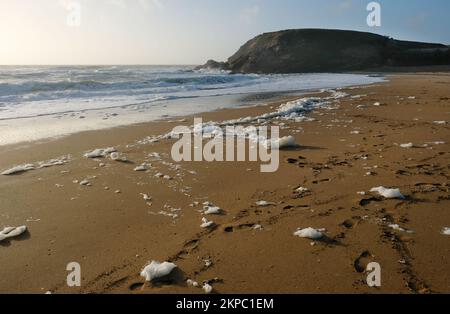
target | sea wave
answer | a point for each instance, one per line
(35, 91)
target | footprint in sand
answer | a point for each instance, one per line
(188, 248)
(368, 201)
(241, 227)
(348, 224)
(136, 286)
(362, 261)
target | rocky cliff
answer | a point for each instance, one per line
(319, 50)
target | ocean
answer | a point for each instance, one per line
(39, 102)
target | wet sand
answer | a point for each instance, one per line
(349, 148)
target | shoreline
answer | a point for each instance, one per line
(25, 123)
(113, 235)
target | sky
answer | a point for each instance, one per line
(53, 32)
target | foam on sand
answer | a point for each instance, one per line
(54, 162)
(18, 169)
(141, 168)
(446, 231)
(264, 203)
(309, 233)
(37, 165)
(12, 232)
(407, 145)
(437, 143)
(206, 223)
(116, 156)
(281, 143)
(85, 183)
(212, 210)
(207, 288)
(100, 152)
(156, 270)
(291, 111)
(388, 193)
(146, 197)
(302, 190)
(192, 283)
(398, 228)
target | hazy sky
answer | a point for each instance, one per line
(188, 31)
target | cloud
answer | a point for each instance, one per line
(249, 14)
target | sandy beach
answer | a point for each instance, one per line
(394, 134)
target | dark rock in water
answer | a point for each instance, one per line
(320, 50)
(213, 65)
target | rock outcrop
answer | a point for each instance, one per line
(320, 50)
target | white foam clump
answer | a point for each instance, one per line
(141, 168)
(207, 288)
(212, 210)
(440, 122)
(446, 231)
(264, 203)
(85, 183)
(39, 165)
(281, 143)
(156, 270)
(18, 169)
(388, 193)
(100, 152)
(116, 156)
(206, 223)
(214, 130)
(293, 110)
(309, 233)
(146, 197)
(407, 145)
(398, 228)
(192, 283)
(12, 232)
(55, 162)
